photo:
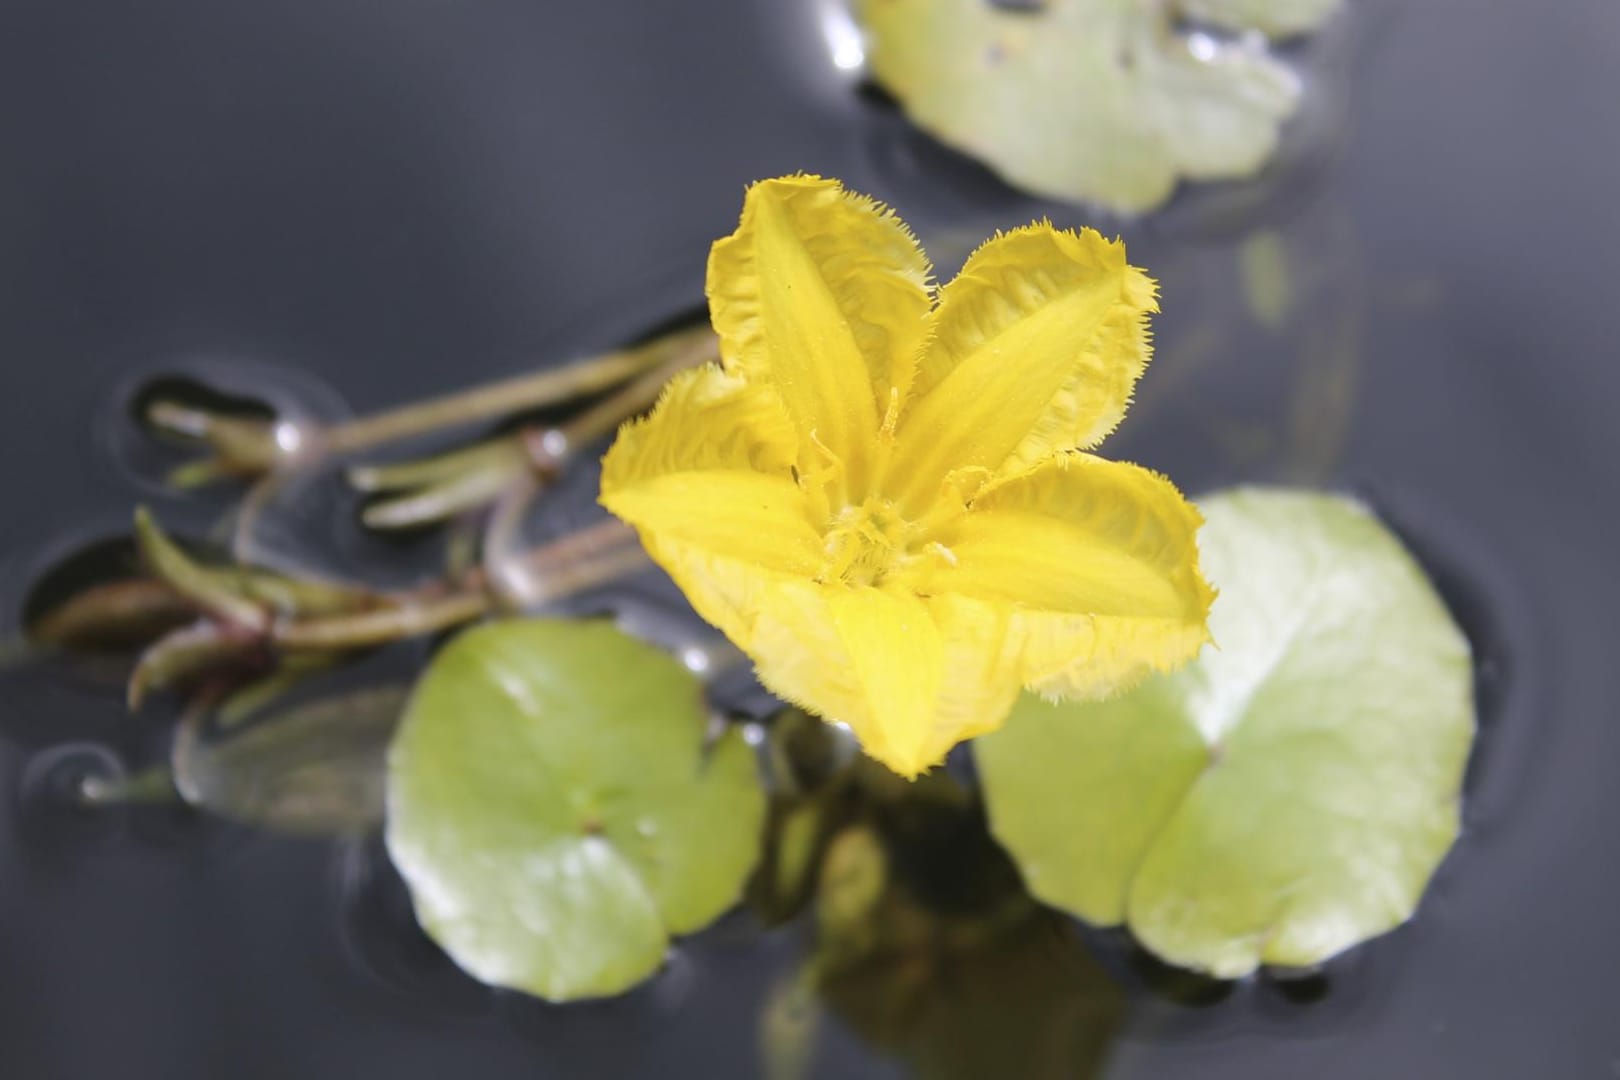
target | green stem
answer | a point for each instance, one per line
(582, 560)
(488, 476)
(551, 447)
(436, 488)
(411, 619)
(422, 472)
(113, 616)
(153, 785)
(165, 559)
(510, 396)
(251, 447)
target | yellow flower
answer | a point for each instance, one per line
(880, 496)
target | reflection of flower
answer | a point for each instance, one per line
(880, 498)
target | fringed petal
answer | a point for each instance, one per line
(823, 294)
(710, 467)
(1097, 563)
(1037, 346)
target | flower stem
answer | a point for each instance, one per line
(410, 619)
(250, 448)
(581, 560)
(439, 487)
(548, 448)
(510, 396)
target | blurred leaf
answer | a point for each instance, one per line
(245, 595)
(1287, 795)
(797, 846)
(1098, 100)
(931, 950)
(112, 616)
(1267, 284)
(251, 698)
(795, 835)
(806, 753)
(1030, 1003)
(555, 811)
(788, 1026)
(315, 768)
(190, 653)
(854, 876)
(210, 590)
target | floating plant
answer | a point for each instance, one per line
(1103, 101)
(1286, 796)
(557, 811)
(883, 494)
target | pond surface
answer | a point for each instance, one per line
(342, 205)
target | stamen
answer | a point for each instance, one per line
(891, 417)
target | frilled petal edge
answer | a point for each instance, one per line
(1096, 563)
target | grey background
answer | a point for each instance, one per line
(374, 201)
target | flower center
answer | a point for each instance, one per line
(868, 543)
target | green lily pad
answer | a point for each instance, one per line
(1107, 101)
(1287, 795)
(555, 809)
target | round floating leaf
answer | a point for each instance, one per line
(1287, 795)
(556, 812)
(1101, 100)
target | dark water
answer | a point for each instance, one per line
(335, 201)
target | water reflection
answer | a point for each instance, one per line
(922, 941)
